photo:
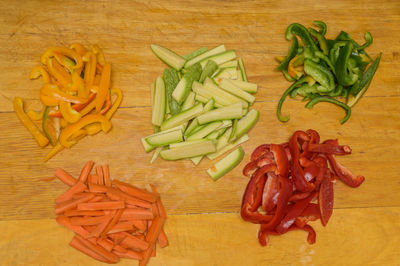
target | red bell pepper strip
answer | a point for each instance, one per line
(344, 174)
(281, 159)
(325, 198)
(329, 148)
(270, 193)
(259, 151)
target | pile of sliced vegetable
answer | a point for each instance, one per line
(323, 69)
(292, 184)
(76, 97)
(111, 219)
(201, 107)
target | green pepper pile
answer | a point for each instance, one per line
(324, 69)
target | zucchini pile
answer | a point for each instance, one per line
(201, 108)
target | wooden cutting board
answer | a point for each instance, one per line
(204, 224)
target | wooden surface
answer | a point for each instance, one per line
(204, 225)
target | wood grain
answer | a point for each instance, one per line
(366, 218)
(224, 239)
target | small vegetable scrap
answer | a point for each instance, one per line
(76, 97)
(292, 184)
(323, 69)
(200, 107)
(111, 219)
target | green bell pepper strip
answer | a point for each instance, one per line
(320, 73)
(338, 91)
(368, 41)
(344, 73)
(316, 100)
(344, 36)
(323, 44)
(309, 45)
(364, 82)
(287, 76)
(321, 25)
(335, 50)
(285, 94)
(326, 60)
(292, 53)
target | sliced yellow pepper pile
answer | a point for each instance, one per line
(76, 97)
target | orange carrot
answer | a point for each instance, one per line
(136, 214)
(93, 179)
(154, 209)
(117, 237)
(65, 221)
(104, 205)
(113, 222)
(99, 172)
(69, 205)
(131, 241)
(87, 220)
(106, 243)
(83, 213)
(86, 171)
(116, 194)
(97, 199)
(121, 227)
(99, 250)
(130, 254)
(67, 195)
(100, 227)
(135, 192)
(151, 237)
(153, 253)
(65, 177)
(96, 188)
(119, 248)
(161, 209)
(77, 244)
(162, 239)
(106, 173)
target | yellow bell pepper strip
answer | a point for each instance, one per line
(58, 147)
(96, 80)
(116, 103)
(76, 107)
(103, 87)
(88, 108)
(77, 83)
(66, 62)
(99, 53)
(34, 115)
(27, 122)
(93, 129)
(39, 71)
(107, 106)
(65, 136)
(51, 95)
(50, 126)
(63, 51)
(79, 48)
(90, 71)
(59, 73)
(68, 113)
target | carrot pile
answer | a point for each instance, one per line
(76, 97)
(111, 219)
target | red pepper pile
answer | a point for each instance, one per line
(287, 178)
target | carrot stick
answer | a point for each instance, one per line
(77, 244)
(71, 204)
(121, 227)
(162, 239)
(106, 173)
(140, 224)
(83, 213)
(107, 244)
(131, 241)
(96, 188)
(104, 205)
(135, 192)
(151, 237)
(117, 237)
(87, 220)
(67, 195)
(161, 209)
(99, 172)
(65, 221)
(100, 228)
(119, 248)
(113, 222)
(81, 195)
(65, 177)
(93, 179)
(97, 199)
(154, 209)
(116, 194)
(153, 253)
(86, 171)
(136, 214)
(130, 254)
(99, 250)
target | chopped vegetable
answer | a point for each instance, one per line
(331, 68)
(75, 102)
(108, 217)
(206, 99)
(285, 181)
